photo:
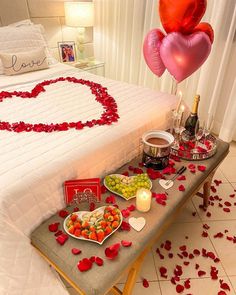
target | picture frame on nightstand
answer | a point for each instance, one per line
(67, 51)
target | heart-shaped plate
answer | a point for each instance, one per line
(137, 223)
(126, 186)
(95, 226)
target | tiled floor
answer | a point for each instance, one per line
(187, 230)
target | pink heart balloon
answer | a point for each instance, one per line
(151, 51)
(184, 54)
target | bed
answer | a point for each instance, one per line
(35, 165)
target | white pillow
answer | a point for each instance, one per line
(23, 38)
(25, 22)
(22, 62)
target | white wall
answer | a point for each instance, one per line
(49, 13)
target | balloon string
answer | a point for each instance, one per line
(174, 86)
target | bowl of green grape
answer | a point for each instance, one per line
(127, 186)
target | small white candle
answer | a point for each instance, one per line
(182, 108)
(180, 95)
(143, 199)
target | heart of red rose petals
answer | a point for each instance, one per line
(84, 264)
(61, 239)
(126, 243)
(53, 227)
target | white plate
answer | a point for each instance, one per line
(80, 215)
(122, 176)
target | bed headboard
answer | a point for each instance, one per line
(49, 13)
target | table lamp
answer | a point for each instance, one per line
(79, 15)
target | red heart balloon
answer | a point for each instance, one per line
(206, 28)
(181, 15)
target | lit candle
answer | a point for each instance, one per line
(180, 100)
(143, 200)
(182, 108)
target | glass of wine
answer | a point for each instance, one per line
(208, 126)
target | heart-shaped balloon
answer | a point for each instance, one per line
(183, 55)
(151, 51)
(181, 15)
(206, 28)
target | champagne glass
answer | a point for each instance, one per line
(208, 125)
(199, 133)
(176, 117)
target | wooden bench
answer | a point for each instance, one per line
(99, 280)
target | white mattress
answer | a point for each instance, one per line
(34, 165)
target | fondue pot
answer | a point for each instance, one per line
(156, 148)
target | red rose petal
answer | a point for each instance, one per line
(213, 189)
(98, 261)
(125, 213)
(145, 283)
(196, 252)
(211, 255)
(131, 207)
(183, 248)
(163, 272)
(167, 245)
(92, 259)
(170, 255)
(217, 182)
(204, 234)
(206, 226)
(181, 188)
(62, 239)
(111, 199)
(125, 226)
(196, 266)
(76, 209)
(218, 235)
(131, 168)
(222, 293)
(186, 263)
(208, 214)
(181, 177)
(103, 189)
(201, 273)
(84, 264)
(75, 251)
(227, 210)
(187, 284)
(179, 288)
(214, 273)
(201, 168)
(63, 213)
(112, 251)
(191, 166)
(192, 170)
(232, 196)
(126, 243)
(58, 233)
(194, 213)
(92, 206)
(126, 173)
(53, 227)
(224, 286)
(228, 204)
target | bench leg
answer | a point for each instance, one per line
(133, 272)
(206, 193)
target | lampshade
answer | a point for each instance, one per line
(79, 14)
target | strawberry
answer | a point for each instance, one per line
(77, 232)
(71, 230)
(77, 225)
(106, 215)
(115, 224)
(85, 224)
(110, 218)
(92, 228)
(93, 236)
(108, 230)
(73, 217)
(85, 233)
(114, 211)
(116, 217)
(103, 224)
(100, 235)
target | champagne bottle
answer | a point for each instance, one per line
(192, 122)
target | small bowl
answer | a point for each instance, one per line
(156, 156)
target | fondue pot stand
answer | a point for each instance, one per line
(156, 156)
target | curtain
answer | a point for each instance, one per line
(120, 28)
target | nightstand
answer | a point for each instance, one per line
(95, 67)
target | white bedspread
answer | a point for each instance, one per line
(34, 165)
